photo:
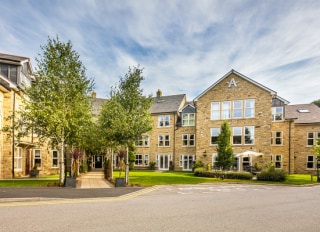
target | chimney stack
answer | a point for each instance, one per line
(159, 93)
(94, 94)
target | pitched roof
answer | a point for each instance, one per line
(188, 108)
(167, 104)
(12, 59)
(96, 105)
(303, 113)
(240, 75)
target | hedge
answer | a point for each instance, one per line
(201, 172)
(272, 175)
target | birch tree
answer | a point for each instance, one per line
(57, 105)
(126, 116)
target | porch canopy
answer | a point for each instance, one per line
(246, 165)
(248, 153)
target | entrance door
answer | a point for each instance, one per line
(164, 162)
(246, 163)
(187, 162)
(98, 161)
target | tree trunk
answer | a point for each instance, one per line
(61, 177)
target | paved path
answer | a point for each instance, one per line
(94, 179)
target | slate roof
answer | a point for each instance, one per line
(167, 104)
(310, 113)
(96, 105)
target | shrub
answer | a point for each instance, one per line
(152, 165)
(202, 172)
(198, 164)
(269, 173)
(84, 167)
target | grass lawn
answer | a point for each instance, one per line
(43, 181)
(28, 183)
(150, 178)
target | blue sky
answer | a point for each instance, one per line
(184, 46)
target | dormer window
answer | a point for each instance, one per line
(277, 113)
(188, 119)
(9, 72)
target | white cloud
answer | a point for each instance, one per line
(185, 46)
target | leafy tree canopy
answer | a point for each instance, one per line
(57, 104)
(317, 102)
(125, 116)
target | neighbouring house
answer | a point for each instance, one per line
(18, 157)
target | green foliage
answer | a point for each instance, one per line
(316, 149)
(198, 164)
(132, 155)
(57, 105)
(201, 172)
(125, 116)
(317, 102)
(83, 167)
(269, 173)
(225, 158)
(152, 165)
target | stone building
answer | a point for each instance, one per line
(19, 156)
(264, 128)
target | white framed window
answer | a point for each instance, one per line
(226, 110)
(18, 159)
(215, 110)
(237, 109)
(277, 113)
(55, 159)
(143, 141)
(163, 161)
(312, 138)
(276, 138)
(188, 119)
(37, 158)
(146, 160)
(186, 162)
(188, 140)
(278, 161)
(237, 135)
(214, 160)
(311, 162)
(214, 135)
(249, 110)
(139, 160)
(164, 120)
(163, 140)
(249, 135)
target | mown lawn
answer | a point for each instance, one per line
(150, 178)
(29, 183)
